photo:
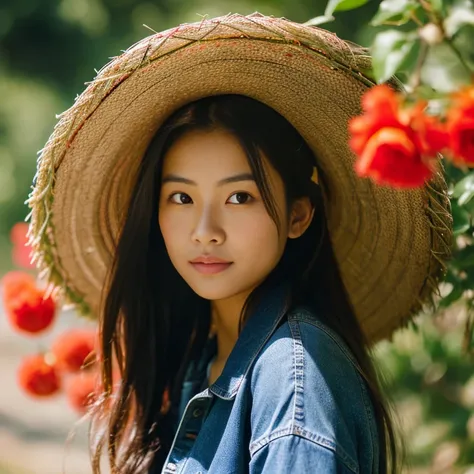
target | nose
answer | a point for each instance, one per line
(207, 229)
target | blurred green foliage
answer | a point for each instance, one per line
(48, 50)
(432, 383)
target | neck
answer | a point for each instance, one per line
(225, 315)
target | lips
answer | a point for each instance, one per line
(209, 259)
(210, 268)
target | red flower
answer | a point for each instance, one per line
(18, 233)
(460, 126)
(25, 304)
(21, 257)
(390, 157)
(75, 349)
(431, 136)
(37, 377)
(82, 390)
(395, 146)
(380, 105)
(21, 252)
(15, 282)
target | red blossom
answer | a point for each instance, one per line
(18, 233)
(15, 282)
(21, 252)
(82, 390)
(37, 377)
(21, 256)
(380, 105)
(395, 146)
(74, 349)
(430, 135)
(460, 126)
(390, 157)
(25, 304)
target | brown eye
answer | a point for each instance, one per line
(182, 198)
(241, 198)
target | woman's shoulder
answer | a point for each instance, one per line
(305, 380)
(304, 342)
(319, 338)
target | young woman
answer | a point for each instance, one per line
(239, 270)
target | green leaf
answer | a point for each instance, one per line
(461, 219)
(463, 42)
(437, 5)
(442, 69)
(460, 15)
(469, 208)
(319, 20)
(426, 92)
(412, 324)
(409, 62)
(390, 50)
(465, 197)
(342, 5)
(468, 281)
(452, 277)
(394, 12)
(453, 296)
(463, 258)
(465, 185)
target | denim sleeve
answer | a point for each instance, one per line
(293, 453)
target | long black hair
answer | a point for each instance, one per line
(153, 324)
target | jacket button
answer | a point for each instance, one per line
(197, 412)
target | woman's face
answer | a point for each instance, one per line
(210, 205)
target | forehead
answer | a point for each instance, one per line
(206, 151)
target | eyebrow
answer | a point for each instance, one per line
(173, 178)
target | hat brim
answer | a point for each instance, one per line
(390, 244)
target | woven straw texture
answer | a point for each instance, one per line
(391, 245)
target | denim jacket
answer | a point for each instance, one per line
(289, 400)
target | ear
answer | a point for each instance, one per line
(300, 217)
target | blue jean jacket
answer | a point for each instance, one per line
(289, 400)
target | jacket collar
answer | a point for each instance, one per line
(261, 324)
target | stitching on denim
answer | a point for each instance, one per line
(368, 417)
(308, 317)
(295, 430)
(298, 364)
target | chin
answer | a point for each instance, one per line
(211, 290)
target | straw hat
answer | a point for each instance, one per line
(390, 244)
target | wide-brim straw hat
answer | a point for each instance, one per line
(390, 244)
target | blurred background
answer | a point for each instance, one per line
(48, 50)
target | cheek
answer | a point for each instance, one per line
(172, 229)
(256, 235)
